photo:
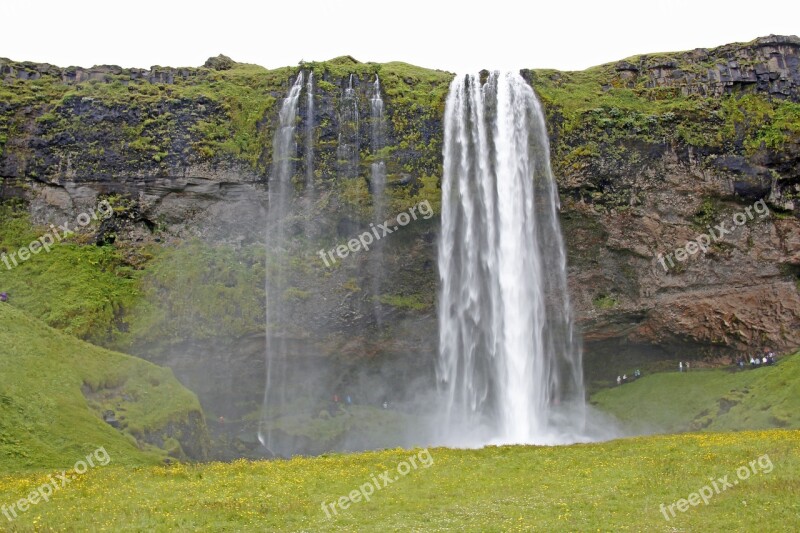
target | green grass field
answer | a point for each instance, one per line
(714, 400)
(612, 486)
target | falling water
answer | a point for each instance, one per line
(349, 128)
(309, 148)
(509, 358)
(284, 151)
(284, 148)
(378, 186)
(376, 106)
(378, 174)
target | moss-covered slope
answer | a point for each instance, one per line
(55, 391)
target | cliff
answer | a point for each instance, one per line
(650, 153)
(658, 150)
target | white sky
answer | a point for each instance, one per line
(449, 35)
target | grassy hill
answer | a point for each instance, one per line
(612, 486)
(714, 400)
(55, 388)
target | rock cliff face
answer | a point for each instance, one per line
(768, 65)
(638, 183)
(651, 153)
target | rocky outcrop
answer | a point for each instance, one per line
(638, 184)
(638, 294)
(26, 70)
(184, 440)
(767, 64)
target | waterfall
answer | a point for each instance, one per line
(378, 169)
(284, 148)
(509, 356)
(378, 186)
(309, 148)
(281, 195)
(349, 129)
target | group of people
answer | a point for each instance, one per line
(624, 377)
(755, 361)
(768, 358)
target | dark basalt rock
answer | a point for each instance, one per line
(752, 182)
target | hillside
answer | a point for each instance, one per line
(710, 400)
(54, 390)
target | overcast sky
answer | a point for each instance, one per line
(456, 36)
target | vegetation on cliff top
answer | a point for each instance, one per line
(599, 114)
(228, 112)
(234, 109)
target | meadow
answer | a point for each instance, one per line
(720, 399)
(613, 486)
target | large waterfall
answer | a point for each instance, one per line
(509, 357)
(281, 196)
